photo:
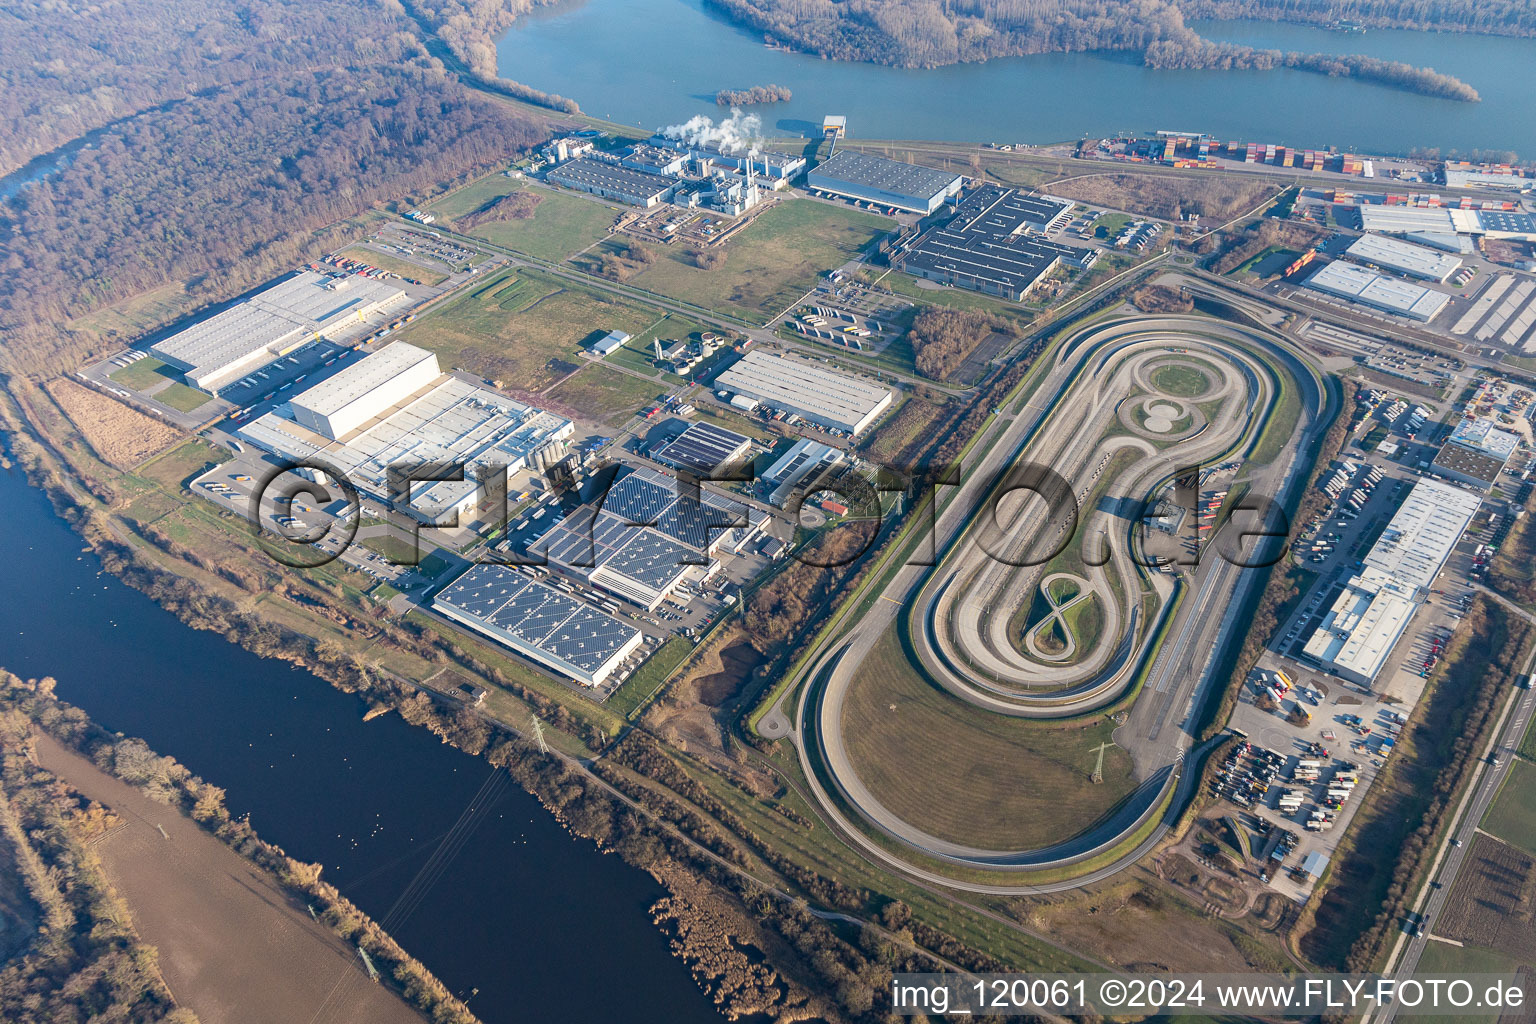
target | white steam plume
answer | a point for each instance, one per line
(732, 135)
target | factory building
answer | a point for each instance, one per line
(653, 159)
(365, 389)
(539, 623)
(444, 420)
(1367, 287)
(1404, 258)
(609, 343)
(806, 462)
(778, 168)
(1476, 452)
(1375, 606)
(987, 246)
(1403, 220)
(610, 181)
(272, 323)
(703, 449)
(647, 537)
(884, 182)
(823, 396)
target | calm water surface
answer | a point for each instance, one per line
(656, 62)
(542, 924)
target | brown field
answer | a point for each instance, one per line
(233, 946)
(1167, 195)
(121, 435)
(1492, 901)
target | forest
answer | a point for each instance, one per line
(920, 33)
(226, 177)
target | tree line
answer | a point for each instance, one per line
(754, 95)
(918, 33)
(942, 339)
(226, 189)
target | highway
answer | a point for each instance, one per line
(1074, 394)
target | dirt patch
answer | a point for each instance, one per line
(1167, 196)
(736, 664)
(233, 946)
(122, 436)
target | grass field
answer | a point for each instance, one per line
(1528, 745)
(965, 775)
(1443, 958)
(525, 328)
(771, 262)
(561, 226)
(1181, 381)
(638, 688)
(602, 393)
(141, 375)
(181, 463)
(1513, 815)
(181, 397)
(395, 265)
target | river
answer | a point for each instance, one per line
(656, 62)
(542, 924)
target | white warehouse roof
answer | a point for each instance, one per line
(1422, 533)
(1359, 631)
(823, 396)
(365, 389)
(1358, 284)
(1405, 257)
(271, 323)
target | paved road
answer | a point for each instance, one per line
(1178, 675)
(1458, 845)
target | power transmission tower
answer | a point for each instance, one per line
(538, 733)
(373, 972)
(1098, 768)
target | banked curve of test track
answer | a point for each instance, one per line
(1083, 376)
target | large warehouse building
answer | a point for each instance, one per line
(1476, 452)
(1404, 257)
(824, 397)
(885, 182)
(647, 537)
(1402, 220)
(610, 181)
(1375, 606)
(345, 401)
(988, 245)
(805, 463)
(704, 449)
(245, 337)
(538, 622)
(1369, 288)
(444, 419)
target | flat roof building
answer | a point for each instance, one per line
(1367, 287)
(1372, 611)
(1404, 257)
(1476, 452)
(645, 537)
(703, 449)
(449, 421)
(610, 181)
(806, 460)
(609, 343)
(1483, 435)
(245, 337)
(885, 182)
(987, 246)
(538, 622)
(1402, 220)
(365, 389)
(826, 397)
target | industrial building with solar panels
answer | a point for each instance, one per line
(542, 624)
(704, 450)
(647, 536)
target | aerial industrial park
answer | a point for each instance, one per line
(983, 522)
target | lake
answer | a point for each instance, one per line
(656, 62)
(545, 926)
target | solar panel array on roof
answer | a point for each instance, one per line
(554, 629)
(703, 448)
(646, 497)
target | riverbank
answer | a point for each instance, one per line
(234, 944)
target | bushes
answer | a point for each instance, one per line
(942, 339)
